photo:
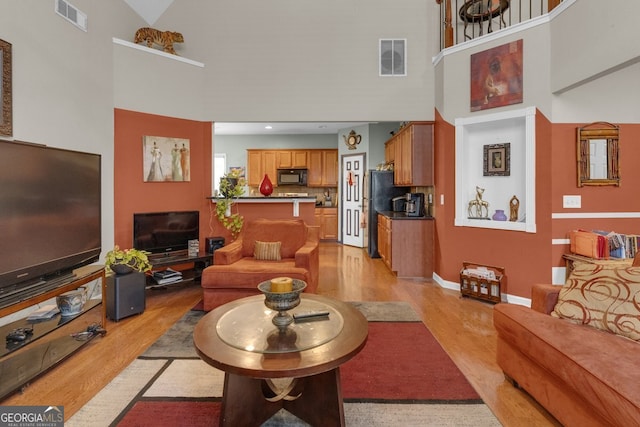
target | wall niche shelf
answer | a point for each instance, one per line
(516, 128)
(153, 51)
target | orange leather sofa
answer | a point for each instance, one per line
(236, 273)
(583, 376)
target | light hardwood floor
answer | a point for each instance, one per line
(463, 327)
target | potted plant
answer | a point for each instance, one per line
(123, 261)
(231, 187)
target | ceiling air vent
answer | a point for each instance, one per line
(393, 57)
(71, 14)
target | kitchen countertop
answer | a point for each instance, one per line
(402, 215)
(271, 199)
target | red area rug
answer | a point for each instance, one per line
(401, 363)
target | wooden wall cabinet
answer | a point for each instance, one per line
(390, 151)
(413, 154)
(292, 159)
(322, 168)
(327, 219)
(406, 246)
(259, 163)
(321, 165)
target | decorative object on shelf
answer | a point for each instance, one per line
(6, 115)
(499, 215)
(124, 261)
(71, 303)
(231, 187)
(166, 39)
(166, 159)
(514, 206)
(478, 208)
(266, 187)
(598, 154)
(282, 301)
(352, 140)
(496, 76)
(497, 160)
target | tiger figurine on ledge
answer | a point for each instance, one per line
(166, 39)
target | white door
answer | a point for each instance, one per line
(353, 169)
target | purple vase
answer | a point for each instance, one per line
(499, 215)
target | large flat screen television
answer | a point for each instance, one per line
(50, 220)
(165, 232)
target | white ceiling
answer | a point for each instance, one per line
(281, 128)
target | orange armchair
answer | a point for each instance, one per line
(236, 273)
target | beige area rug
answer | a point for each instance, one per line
(157, 390)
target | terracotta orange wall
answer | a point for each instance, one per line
(528, 258)
(132, 194)
(600, 202)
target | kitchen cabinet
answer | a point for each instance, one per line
(406, 246)
(390, 151)
(327, 219)
(259, 163)
(384, 239)
(322, 168)
(413, 154)
(292, 159)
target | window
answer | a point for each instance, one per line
(219, 166)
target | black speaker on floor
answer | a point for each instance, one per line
(125, 295)
(213, 243)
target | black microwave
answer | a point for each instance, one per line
(292, 177)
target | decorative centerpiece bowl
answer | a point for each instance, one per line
(282, 301)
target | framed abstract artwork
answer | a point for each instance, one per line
(6, 118)
(496, 76)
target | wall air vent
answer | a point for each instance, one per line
(71, 14)
(393, 57)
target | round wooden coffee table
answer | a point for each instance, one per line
(258, 359)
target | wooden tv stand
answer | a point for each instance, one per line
(193, 274)
(82, 276)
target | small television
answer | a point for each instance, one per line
(50, 221)
(165, 232)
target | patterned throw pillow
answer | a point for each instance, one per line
(267, 251)
(605, 297)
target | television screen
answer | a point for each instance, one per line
(50, 218)
(165, 232)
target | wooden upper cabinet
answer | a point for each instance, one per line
(322, 168)
(292, 159)
(389, 151)
(413, 154)
(314, 171)
(259, 163)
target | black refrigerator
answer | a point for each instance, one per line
(379, 192)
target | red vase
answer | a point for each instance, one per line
(266, 187)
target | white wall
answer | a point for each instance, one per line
(308, 61)
(63, 80)
(580, 64)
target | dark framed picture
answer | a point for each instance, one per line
(6, 118)
(497, 160)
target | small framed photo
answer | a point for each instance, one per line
(497, 160)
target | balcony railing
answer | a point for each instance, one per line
(464, 20)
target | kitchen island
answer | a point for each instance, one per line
(274, 208)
